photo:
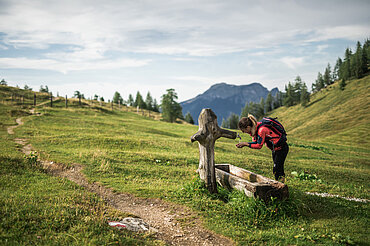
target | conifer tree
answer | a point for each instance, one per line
(269, 102)
(347, 64)
(319, 83)
(189, 119)
(233, 121)
(170, 108)
(130, 100)
(139, 101)
(327, 76)
(149, 101)
(365, 59)
(117, 98)
(262, 107)
(336, 72)
(155, 106)
(289, 95)
(245, 110)
(297, 87)
(305, 95)
(357, 61)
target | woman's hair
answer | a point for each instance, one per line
(247, 121)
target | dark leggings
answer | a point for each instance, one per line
(279, 158)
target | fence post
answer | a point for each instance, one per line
(66, 102)
(112, 105)
(34, 99)
(51, 100)
(79, 99)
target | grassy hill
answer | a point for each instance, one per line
(333, 115)
(132, 152)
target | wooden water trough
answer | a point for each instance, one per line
(253, 185)
(225, 174)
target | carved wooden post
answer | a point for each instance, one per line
(208, 133)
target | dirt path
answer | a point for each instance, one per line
(163, 217)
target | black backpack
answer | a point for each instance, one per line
(277, 127)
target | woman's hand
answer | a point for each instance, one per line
(241, 145)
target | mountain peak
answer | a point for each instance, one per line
(225, 99)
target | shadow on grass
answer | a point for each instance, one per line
(316, 101)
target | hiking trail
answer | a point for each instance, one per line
(163, 217)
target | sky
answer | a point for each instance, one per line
(100, 47)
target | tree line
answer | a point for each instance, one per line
(169, 107)
(353, 66)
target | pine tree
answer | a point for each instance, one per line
(347, 64)
(155, 106)
(327, 76)
(262, 108)
(357, 61)
(170, 108)
(305, 95)
(189, 119)
(277, 100)
(233, 121)
(130, 100)
(269, 102)
(365, 59)
(139, 101)
(117, 98)
(289, 97)
(319, 83)
(149, 101)
(336, 72)
(297, 87)
(245, 110)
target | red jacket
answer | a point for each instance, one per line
(264, 136)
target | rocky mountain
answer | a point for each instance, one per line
(225, 99)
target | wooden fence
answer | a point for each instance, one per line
(47, 100)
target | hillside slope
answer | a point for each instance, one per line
(332, 115)
(130, 152)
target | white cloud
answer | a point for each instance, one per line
(292, 62)
(66, 66)
(177, 27)
(350, 32)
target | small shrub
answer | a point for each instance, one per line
(306, 176)
(32, 159)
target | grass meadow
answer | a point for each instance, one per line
(133, 153)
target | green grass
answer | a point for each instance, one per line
(150, 158)
(39, 209)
